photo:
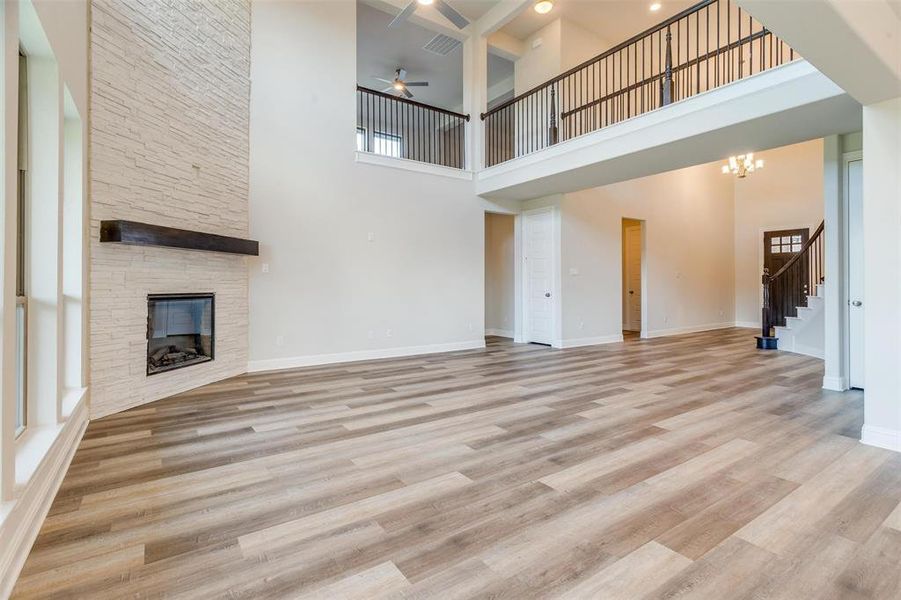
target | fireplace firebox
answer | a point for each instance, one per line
(180, 331)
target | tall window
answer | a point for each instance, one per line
(21, 279)
(387, 144)
(361, 139)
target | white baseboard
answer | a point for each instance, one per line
(808, 350)
(684, 330)
(293, 362)
(26, 514)
(836, 384)
(591, 341)
(748, 324)
(881, 437)
(507, 333)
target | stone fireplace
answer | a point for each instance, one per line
(180, 331)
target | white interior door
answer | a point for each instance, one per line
(854, 177)
(538, 255)
(633, 277)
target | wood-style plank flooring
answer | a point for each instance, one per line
(682, 467)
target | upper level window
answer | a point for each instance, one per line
(21, 245)
(387, 144)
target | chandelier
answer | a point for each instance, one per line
(742, 165)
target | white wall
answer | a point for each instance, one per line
(689, 260)
(578, 44)
(563, 45)
(882, 273)
(539, 63)
(331, 293)
(786, 194)
(499, 274)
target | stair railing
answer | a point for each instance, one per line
(710, 44)
(788, 288)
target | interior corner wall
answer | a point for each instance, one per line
(363, 260)
(688, 243)
(786, 194)
(558, 46)
(578, 44)
(169, 128)
(499, 274)
(541, 60)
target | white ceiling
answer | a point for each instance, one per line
(614, 21)
(380, 51)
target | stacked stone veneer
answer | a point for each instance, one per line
(170, 106)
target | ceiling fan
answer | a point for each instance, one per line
(443, 7)
(399, 83)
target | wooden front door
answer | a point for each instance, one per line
(780, 246)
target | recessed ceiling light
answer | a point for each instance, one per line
(543, 7)
(425, 2)
(655, 7)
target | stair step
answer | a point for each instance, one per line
(815, 301)
(804, 312)
(791, 320)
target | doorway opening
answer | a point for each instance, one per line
(499, 275)
(633, 278)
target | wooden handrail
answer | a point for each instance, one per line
(800, 253)
(367, 90)
(676, 69)
(788, 287)
(650, 31)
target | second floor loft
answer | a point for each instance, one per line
(696, 50)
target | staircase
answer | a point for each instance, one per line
(805, 333)
(789, 308)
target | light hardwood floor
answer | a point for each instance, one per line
(689, 467)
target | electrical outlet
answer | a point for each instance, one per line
(574, 271)
(371, 334)
(265, 267)
(387, 333)
(581, 325)
(371, 236)
(280, 341)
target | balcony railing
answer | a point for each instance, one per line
(703, 47)
(401, 128)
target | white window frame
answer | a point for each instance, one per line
(387, 144)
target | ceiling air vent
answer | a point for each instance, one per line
(441, 45)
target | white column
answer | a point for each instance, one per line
(835, 377)
(882, 273)
(475, 90)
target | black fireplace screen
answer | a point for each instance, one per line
(180, 331)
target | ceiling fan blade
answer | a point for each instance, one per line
(403, 15)
(451, 15)
(382, 80)
(390, 88)
(401, 73)
(406, 92)
(416, 83)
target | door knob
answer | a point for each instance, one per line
(547, 294)
(856, 303)
(631, 291)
